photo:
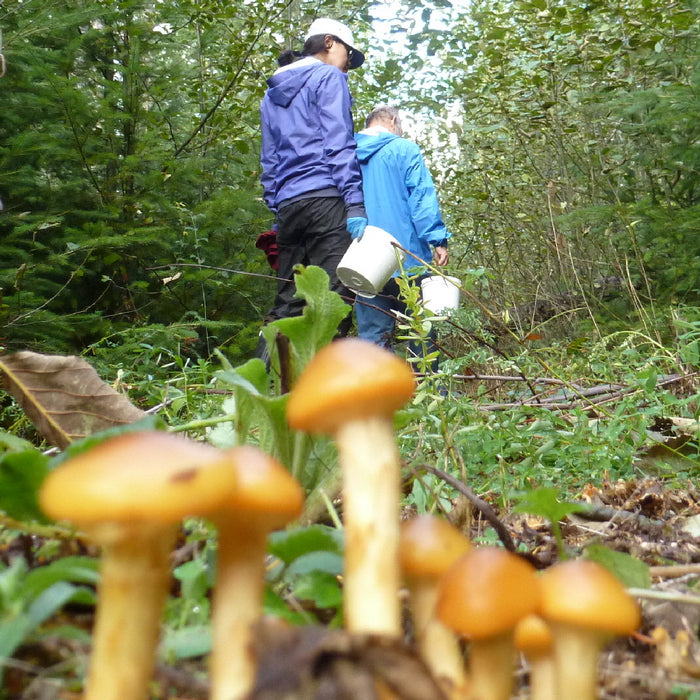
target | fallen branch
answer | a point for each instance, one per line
(670, 596)
(481, 505)
(674, 571)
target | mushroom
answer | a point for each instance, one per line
(586, 606)
(534, 639)
(429, 546)
(266, 498)
(128, 495)
(482, 597)
(350, 390)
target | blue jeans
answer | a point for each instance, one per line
(376, 321)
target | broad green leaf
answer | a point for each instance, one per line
(318, 324)
(274, 605)
(75, 569)
(292, 544)
(185, 643)
(320, 587)
(633, 572)
(21, 474)
(49, 601)
(329, 562)
(545, 503)
(12, 443)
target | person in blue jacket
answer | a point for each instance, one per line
(400, 198)
(310, 175)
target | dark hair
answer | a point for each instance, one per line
(314, 44)
(287, 57)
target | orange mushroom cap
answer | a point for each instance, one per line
(486, 592)
(584, 593)
(533, 636)
(429, 546)
(347, 380)
(264, 487)
(134, 477)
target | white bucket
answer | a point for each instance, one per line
(440, 294)
(369, 262)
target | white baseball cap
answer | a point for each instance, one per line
(325, 25)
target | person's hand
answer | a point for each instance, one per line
(441, 255)
(356, 225)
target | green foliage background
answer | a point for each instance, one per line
(563, 138)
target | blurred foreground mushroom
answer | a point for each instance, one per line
(586, 606)
(429, 546)
(351, 390)
(534, 639)
(266, 498)
(128, 495)
(482, 597)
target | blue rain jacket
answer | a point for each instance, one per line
(400, 194)
(307, 136)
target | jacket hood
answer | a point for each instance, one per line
(285, 84)
(368, 145)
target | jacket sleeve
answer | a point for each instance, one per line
(422, 198)
(335, 122)
(268, 162)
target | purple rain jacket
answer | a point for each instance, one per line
(308, 145)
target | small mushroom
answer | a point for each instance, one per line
(483, 596)
(586, 606)
(266, 498)
(351, 390)
(429, 546)
(534, 639)
(128, 495)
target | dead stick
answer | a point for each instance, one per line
(481, 505)
(674, 571)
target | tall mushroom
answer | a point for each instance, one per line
(482, 597)
(429, 546)
(586, 606)
(128, 495)
(351, 390)
(534, 639)
(266, 498)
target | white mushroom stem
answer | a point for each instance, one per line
(369, 462)
(134, 582)
(576, 655)
(437, 644)
(543, 680)
(236, 606)
(491, 664)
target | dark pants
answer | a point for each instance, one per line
(376, 321)
(310, 232)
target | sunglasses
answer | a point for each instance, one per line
(350, 51)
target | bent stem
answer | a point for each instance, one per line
(437, 644)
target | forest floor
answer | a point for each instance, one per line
(645, 518)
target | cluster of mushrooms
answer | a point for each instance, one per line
(130, 493)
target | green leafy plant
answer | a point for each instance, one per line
(28, 598)
(545, 503)
(258, 406)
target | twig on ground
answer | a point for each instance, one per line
(481, 505)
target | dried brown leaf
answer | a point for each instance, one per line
(63, 396)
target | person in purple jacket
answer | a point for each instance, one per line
(310, 175)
